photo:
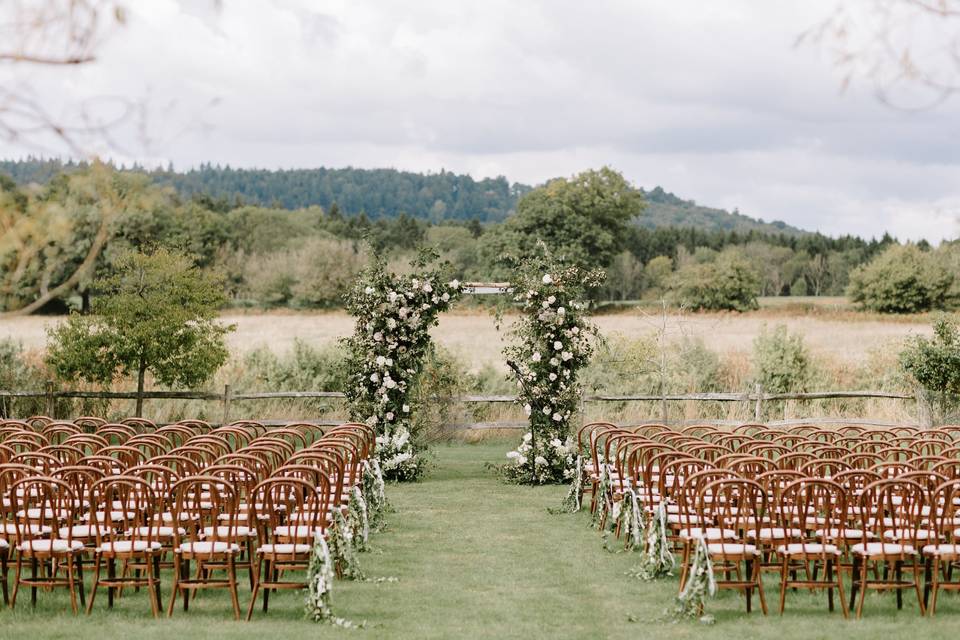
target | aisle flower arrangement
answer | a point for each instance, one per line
(553, 342)
(394, 314)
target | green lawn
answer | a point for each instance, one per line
(477, 558)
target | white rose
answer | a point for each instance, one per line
(389, 416)
(527, 437)
(547, 279)
(391, 323)
(527, 409)
(557, 417)
(553, 377)
(554, 362)
(566, 355)
(427, 288)
(454, 284)
(445, 297)
(374, 377)
(381, 361)
(561, 311)
(406, 408)
(539, 461)
(512, 455)
(552, 299)
(546, 411)
(378, 336)
(390, 383)
(536, 356)
(368, 290)
(557, 345)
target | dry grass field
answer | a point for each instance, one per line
(839, 335)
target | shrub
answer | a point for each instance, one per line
(902, 279)
(935, 364)
(728, 283)
(780, 360)
(16, 374)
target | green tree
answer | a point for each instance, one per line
(583, 219)
(728, 283)
(780, 360)
(935, 364)
(157, 314)
(902, 279)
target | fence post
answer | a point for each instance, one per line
(227, 397)
(51, 401)
(757, 408)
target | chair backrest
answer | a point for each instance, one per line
(814, 505)
(124, 504)
(734, 504)
(40, 507)
(302, 508)
(892, 508)
(204, 509)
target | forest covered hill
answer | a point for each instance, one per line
(386, 193)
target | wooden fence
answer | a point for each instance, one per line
(756, 398)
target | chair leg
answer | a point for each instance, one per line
(863, 587)
(758, 579)
(71, 583)
(271, 576)
(97, 560)
(841, 593)
(898, 576)
(16, 581)
(232, 576)
(3, 577)
(156, 573)
(151, 578)
(255, 572)
(783, 582)
(916, 585)
(80, 586)
(176, 584)
(936, 587)
(748, 591)
(829, 571)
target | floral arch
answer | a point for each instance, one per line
(552, 342)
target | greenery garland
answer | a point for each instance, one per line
(604, 489)
(553, 343)
(700, 584)
(632, 521)
(358, 520)
(393, 314)
(342, 549)
(374, 494)
(573, 501)
(319, 585)
(656, 560)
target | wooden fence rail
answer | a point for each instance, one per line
(228, 397)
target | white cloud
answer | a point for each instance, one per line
(710, 100)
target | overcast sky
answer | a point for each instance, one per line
(710, 100)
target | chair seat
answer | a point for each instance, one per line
(239, 531)
(775, 533)
(872, 549)
(128, 546)
(300, 532)
(50, 546)
(168, 516)
(100, 516)
(4, 544)
(208, 547)
(846, 534)
(807, 548)
(160, 531)
(85, 531)
(283, 549)
(900, 534)
(48, 514)
(941, 550)
(732, 549)
(10, 529)
(710, 533)
(684, 518)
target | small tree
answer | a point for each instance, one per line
(157, 314)
(780, 360)
(902, 279)
(728, 283)
(935, 364)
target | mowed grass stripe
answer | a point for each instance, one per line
(478, 558)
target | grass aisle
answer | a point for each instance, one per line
(477, 558)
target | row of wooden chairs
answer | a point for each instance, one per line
(812, 508)
(224, 498)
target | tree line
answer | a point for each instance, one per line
(62, 234)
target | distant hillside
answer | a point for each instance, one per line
(389, 192)
(667, 210)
